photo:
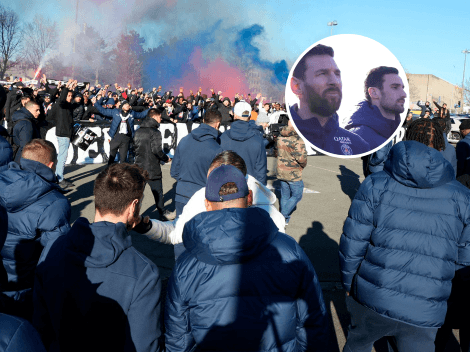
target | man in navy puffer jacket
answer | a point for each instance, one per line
(37, 214)
(94, 291)
(241, 285)
(405, 236)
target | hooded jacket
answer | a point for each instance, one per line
(24, 131)
(192, 159)
(243, 286)
(6, 153)
(37, 214)
(247, 142)
(115, 114)
(331, 138)
(405, 236)
(95, 292)
(63, 115)
(148, 148)
(368, 123)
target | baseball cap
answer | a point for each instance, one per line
(241, 107)
(219, 177)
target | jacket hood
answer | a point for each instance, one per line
(241, 130)
(370, 116)
(149, 122)
(416, 165)
(22, 114)
(229, 236)
(204, 132)
(22, 185)
(97, 245)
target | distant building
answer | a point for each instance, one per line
(428, 87)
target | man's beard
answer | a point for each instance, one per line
(320, 105)
(397, 108)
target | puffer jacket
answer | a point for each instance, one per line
(17, 335)
(368, 123)
(148, 148)
(243, 286)
(24, 131)
(405, 236)
(246, 142)
(192, 159)
(37, 214)
(96, 292)
(6, 153)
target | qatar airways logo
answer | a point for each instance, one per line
(342, 140)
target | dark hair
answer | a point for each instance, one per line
(155, 111)
(428, 132)
(228, 157)
(40, 150)
(117, 187)
(375, 78)
(212, 116)
(317, 50)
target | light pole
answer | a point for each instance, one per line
(331, 24)
(465, 52)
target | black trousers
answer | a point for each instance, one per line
(119, 142)
(157, 190)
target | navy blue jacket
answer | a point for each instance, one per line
(37, 214)
(463, 156)
(243, 286)
(369, 123)
(405, 236)
(95, 292)
(115, 114)
(192, 159)
(24, 131)
(330, 138)
(246, 141)
(377, 159)
(6, 153)
(17, 335)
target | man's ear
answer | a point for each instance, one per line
(50, 165)
(296, 86)
(374, 92)
(249, 199)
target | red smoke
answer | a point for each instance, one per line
(217, 74)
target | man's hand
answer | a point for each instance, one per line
(258, 95)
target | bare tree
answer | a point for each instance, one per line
(11, 35)
(39, 37)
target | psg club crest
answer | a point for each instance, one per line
(346, 149)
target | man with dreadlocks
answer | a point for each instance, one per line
(405, 237)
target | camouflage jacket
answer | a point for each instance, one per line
(292, 155)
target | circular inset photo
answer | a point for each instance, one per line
(347, 95)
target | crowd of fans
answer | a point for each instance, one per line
(239, 282)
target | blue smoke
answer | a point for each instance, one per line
(244, 48)
(169, 61)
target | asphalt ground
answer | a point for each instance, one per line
(316, 224)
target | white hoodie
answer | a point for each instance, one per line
(171, 232)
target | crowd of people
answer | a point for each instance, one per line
(239, 282)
